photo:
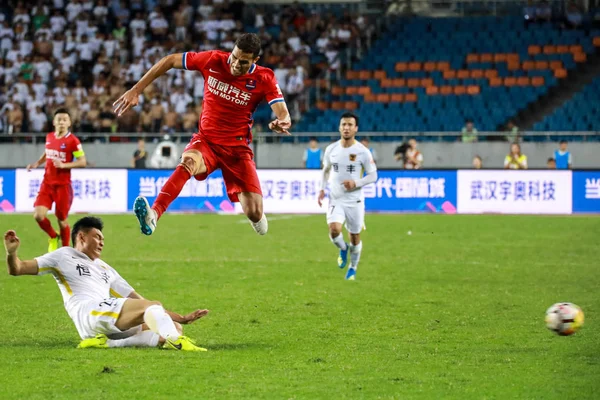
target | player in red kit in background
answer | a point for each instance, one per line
(63, 152)
(234, 87)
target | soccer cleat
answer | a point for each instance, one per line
(183, 343)
(351, 274)
(53, 244)
(145, 215)
(343, 257)
(98, 342)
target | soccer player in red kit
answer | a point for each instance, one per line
(234, 86)
(63, 152)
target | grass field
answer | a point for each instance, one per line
(453, 311)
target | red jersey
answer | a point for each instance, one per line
(65, 149)
(230, 101)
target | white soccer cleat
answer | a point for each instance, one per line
(145, 215)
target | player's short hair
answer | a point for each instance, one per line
(62, 110)
(84, 225)
(249, 43)
(563, 141)
(550, 160)
(350, 115)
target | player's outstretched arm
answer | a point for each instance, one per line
(36, 164)
(131, 97)
(283, 122)
(15, 266)
(182, 319)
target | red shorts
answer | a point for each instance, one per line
(61, 195)
(236, 163)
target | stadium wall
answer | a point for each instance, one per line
(289, 155)
(296, 191)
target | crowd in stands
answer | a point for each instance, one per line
(83, 54)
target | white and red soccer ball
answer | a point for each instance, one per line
(564, 318)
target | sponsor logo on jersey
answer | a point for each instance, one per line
(228, 92)
(63, 146)
(251, 84)
(352, 157)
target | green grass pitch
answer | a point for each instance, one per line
(453, 311)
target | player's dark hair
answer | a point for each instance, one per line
(550, 160)
(62, 110)
(563, 141)
(350, 115)
(84, 225)
(249, 43)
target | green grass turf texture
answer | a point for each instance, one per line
(453, 311)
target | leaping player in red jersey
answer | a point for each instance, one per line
(234, 86)
(63, 152)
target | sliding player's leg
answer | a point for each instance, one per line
(335, 219)
(139, 336)
(355, 221)
(64, 200)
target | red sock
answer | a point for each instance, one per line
(47, 227)
(65, 235)
(171, 190)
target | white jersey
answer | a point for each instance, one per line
(81, 279)
(347, 163)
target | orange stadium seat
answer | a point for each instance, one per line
(596, 41)
(364, 90)
(383, 98)
(527, 65)
(364, 75)
(413, 82)
(370, 98)
(401, 67)
(510, 81)
(352, 74)
(537, 81)
(450, 74)
(512, 57)
(576, 48)
(523, 81)
(494, 82)
(426, 82)
(443, 66)
(397, 98)
(432, 90)
(534, 50)
(561, 49)
(473, 89)
(429, 66)
(352, 90)
(399, 82)
(387, 83)
(541, 64)
(463, 74)
(580, 57)
(446, 90)
(337, 90)
(549, 49)
(410, 97)
(513, 65)
(486, 58)
(460, 90)
(350, 105)
(500, 57)
(560, 73)
(490, 73)
(379, 75)
(414, 66)
(473, 58)
(337, 105)
(322, 105)
(556, 64)
(476, 74)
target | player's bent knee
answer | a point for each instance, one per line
(193, 162)
(39, 216)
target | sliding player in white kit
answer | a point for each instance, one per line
(348, 159)
(106, 310)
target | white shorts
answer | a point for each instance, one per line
(352, 214)
(94, 317)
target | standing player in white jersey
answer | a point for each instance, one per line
(106, 310)
(348, 159)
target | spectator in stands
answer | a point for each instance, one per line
(365, 142)
(543, 12)
(512, 132)
(469, 132)
(562, 156)
(140, 155)
(294, 87)
(551, 163)
(190, 119)
(573, 16)
(413, 158)
(477, 162)
(515, 159)
(312, 155)
(400, 152)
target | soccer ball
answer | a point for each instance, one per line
(564, 318)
